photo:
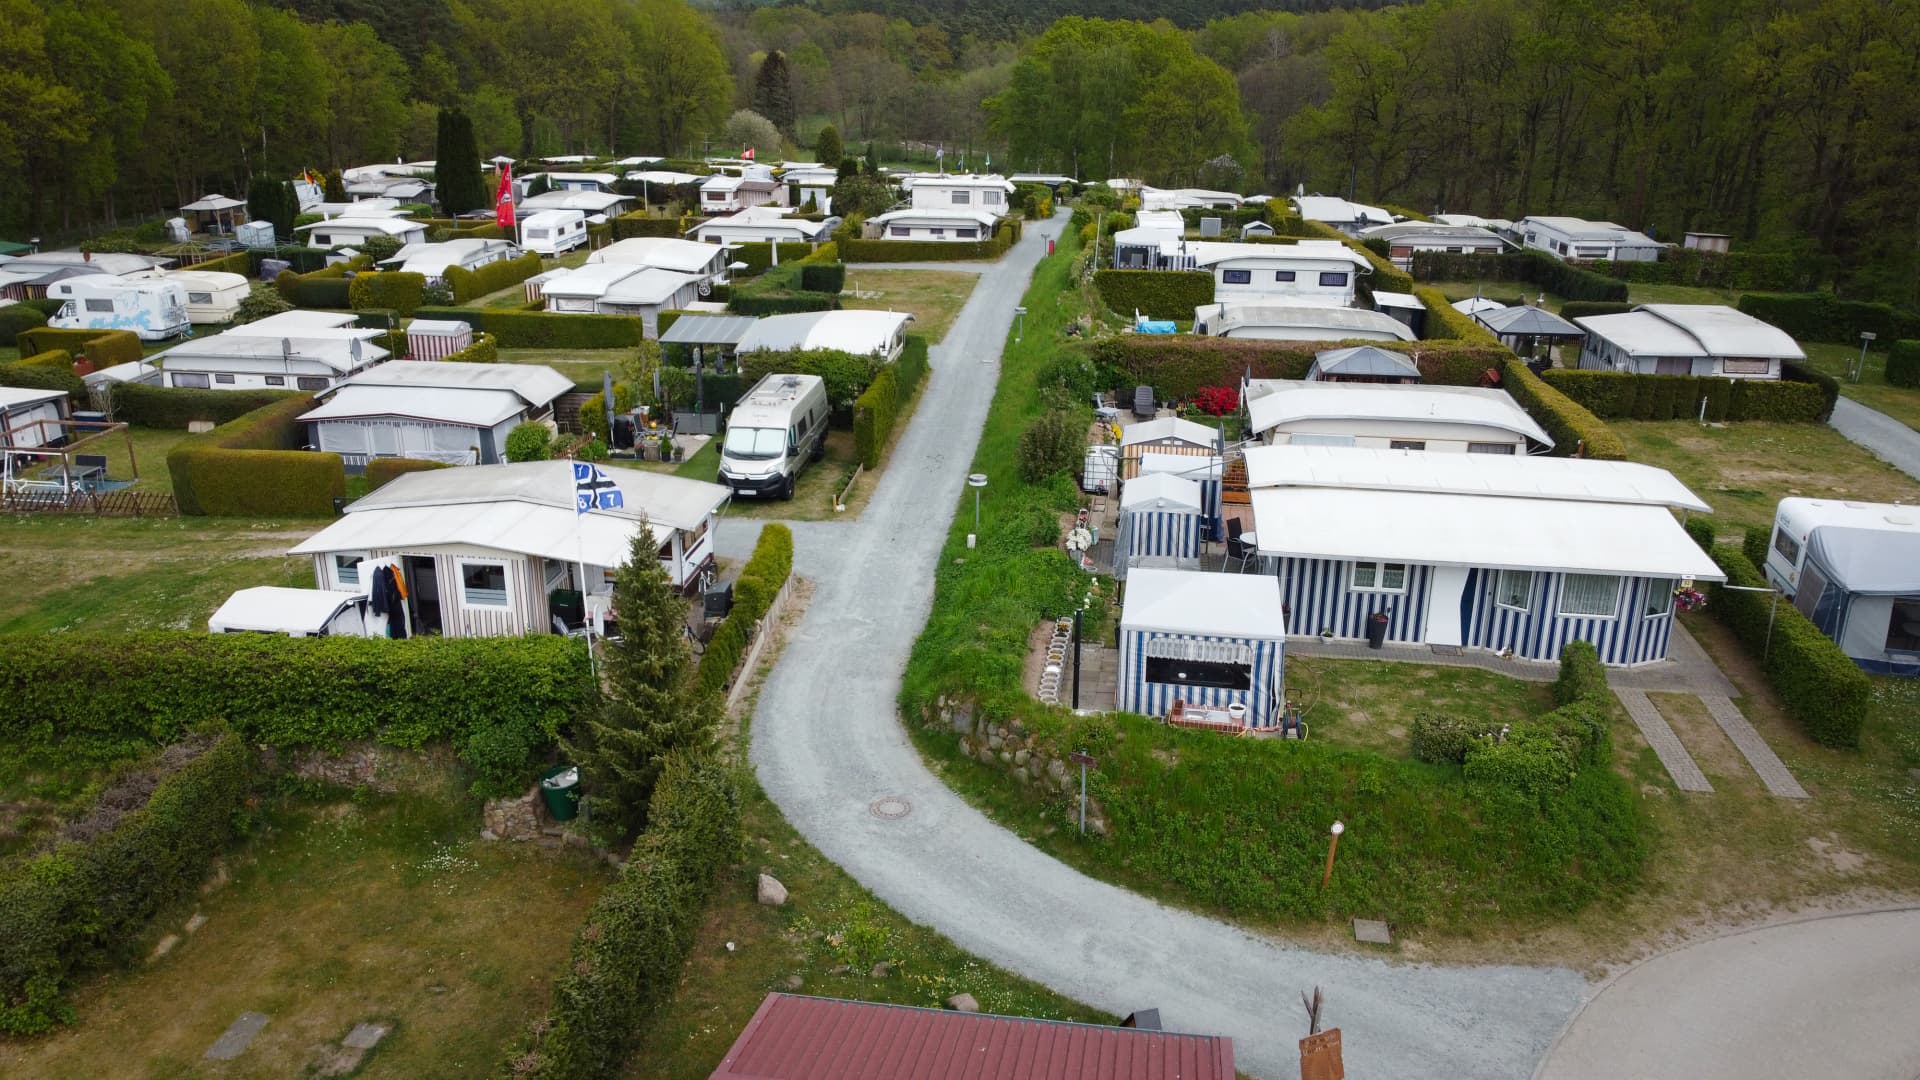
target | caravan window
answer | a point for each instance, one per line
(990, 198)
(1490, 448)
(901, 230)
(1787, 546)
(310, 382)
(1659, 599)
(1590, 595)
(1283, 275)
(99, 305)
(189, 380)
(199, 298)
(1236, 277)
(1199, 673)
(962, 198)
(276, 380)
(483, 584)
(223, 378)
(536, 234)
(346, 568)
(1514, 590)
(1333, 278)
(1746, 367)
(1380, 577)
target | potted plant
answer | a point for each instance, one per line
(666, 448)
(1326, 635)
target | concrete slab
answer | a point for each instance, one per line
(165, 946)
(1372, 931)
(195, 923)
(237, 1037)
(365, 1036)
(1773, 772)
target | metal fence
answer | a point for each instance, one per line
(124, 503)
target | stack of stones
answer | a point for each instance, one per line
(1012, 747)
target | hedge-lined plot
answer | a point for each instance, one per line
(1157, 294)
(252, 465)
(761, 579)
(878, 409)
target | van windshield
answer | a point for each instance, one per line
(755, 444)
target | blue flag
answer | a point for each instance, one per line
(594, 489)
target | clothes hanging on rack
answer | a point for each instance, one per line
(387, 599)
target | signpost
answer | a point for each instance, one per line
(1083, 759)
(1022, 332)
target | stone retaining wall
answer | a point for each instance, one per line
(1031, 760)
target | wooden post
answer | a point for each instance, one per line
(1333, 845)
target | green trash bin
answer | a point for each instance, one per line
(561, 790)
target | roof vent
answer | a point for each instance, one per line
(1899, 519)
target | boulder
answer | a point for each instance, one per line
(771, 892)
(513, 819)
(963, 1003)
(1020, 757)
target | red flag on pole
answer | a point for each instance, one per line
(747, 154)
(503, 198)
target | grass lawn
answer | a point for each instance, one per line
(1369, 703)
(1872, 390)
(934, 296)
(581, 365)
(86, 573)
(813, 493)
(149, 453)
(1510, 292)
(1743, 470)
(40, 790)
(340, 911)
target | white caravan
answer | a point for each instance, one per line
(775, 430)
(553, 232)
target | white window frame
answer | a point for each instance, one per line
(1506, 448)
(1786, 546)
(199, 298)
(1334, 279)
(1566, 590)
(190, 380)
(1378, 570)
(1664, 589)
(1500, 590)
(348, 563)
(963, 198)
(506, 585)
(98, 306)
(310, 382)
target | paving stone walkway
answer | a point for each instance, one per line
(1773, 772)
(1666, 745)
(231, 1044)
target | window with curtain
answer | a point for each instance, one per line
(1589, 594)
(1659, 599)
(1514, 589)
(1380, 577)
(1237, 277)
(1333, 278)
(1490, 448)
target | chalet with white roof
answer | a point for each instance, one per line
(1686, 339)
(1348, 217)
(760, 224)
(665, 253)
(1437, 419)
(723, 193)
(455, 413)
(863, 333)
(621, 289)
(951, 191)
(1578, 238)
(350, 230)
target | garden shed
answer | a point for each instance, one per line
(1208, 640)
(1206, 470)
(1166, 435)
(437, 339)
(1162, 521)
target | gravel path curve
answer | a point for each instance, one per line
(827, 743)
(1890, 440)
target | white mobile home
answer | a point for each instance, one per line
(1854, 569)
(433, 260)
(1207, 640)
(944, 225)
(153, 309)
(724, 194)
(1387, 416)
(1280, 321)
(950, 192)
(1515, 556)
(1578, 238)
(622, 289)
(31, 417)
(759, 224)
(483, 548)
(1348, 217)
(273, 354)
(348, 231)
(666, 253)
(212, 297)
(277, 609)
(1686, 339)
(1322, 272)
(455, 413)
(565, 181)
(862, 333)
(553, 232)
(598, 206)
(1406, 237)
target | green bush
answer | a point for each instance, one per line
(484, 350)
(1616, 395)
(874, 412)
(103, 348)
(382, 470)
(43, 377)
(252, 466)
(102, 697)
(1051, 445)
(823, 277)
(1582, 676)
(1157, 294)
(1903, 364)
(262, 300)
(1530, 762)
(1822, 316)
(1178, 365)
(529, 441)
(845, 374)
(17, 317)
(749, 301)
(491, 278)
(1581, 309)
(1820, 686)
(626, 960)
(1701, 532)
(1444, 738)
(761, 579)
(86, 903)
(175, 408)
(543, 330)
(1446, 321)
(1535, 268)
(390, 290)
(1754, 544)
(1575, 431)
(865, 251)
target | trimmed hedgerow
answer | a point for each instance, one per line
(1177, 366)
(1621, 395)
(625, 961)
(104, 348)
(491, 278)
(84, 904)
(858, 251)
(1157, 294)
(57, 360)
(1446, 321)
(174, 408)
(545, 330)
(1822, 316)
(1794, 371)
(1536, 268)
(1719, 270)
(382, 470)
(1575, 431)
(1753, 544)
(638, 223)
(101, 697)
(1903, 364)
(1820, 686)
(1581, 309)
(43, 377)
(758, 303)
(823, 277)
(388, 290)
(252, 465)
(874, 412)
(17, 317)
(761, 579)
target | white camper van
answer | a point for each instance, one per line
(154, 309)
(553, 232)
(1854, 569)
(212, 297)
(779, 426)
(276, 609)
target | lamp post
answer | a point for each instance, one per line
(1333, 844)
(976, 481)
(1866, 339)
(1022, 332)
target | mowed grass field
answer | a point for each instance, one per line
(934, 296)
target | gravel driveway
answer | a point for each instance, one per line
(827, 744)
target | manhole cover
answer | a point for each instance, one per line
(890, 808)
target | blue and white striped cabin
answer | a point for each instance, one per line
(1206, 639)
(1161, 523)
(1201, 468)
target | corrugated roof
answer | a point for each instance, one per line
(707, 330)
(592, 202)
(1476, 531)
(1317, 322)
(1214, 252)
(1515, 476)
(807, 1038)
(1288, 400)
(1725, 331)
(1424, 230)
(474, 408)
(1169, 427)
(1366, 360)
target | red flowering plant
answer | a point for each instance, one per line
(1216, 400)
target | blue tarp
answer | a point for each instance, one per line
(1155, 326)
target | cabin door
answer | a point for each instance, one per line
(1446, 585)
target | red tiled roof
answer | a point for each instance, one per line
(794, 1037)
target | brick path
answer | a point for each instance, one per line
(1666, 745)
(1773, 772)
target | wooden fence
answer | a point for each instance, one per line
(123, 503)
(762, 634)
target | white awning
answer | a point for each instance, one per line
(277, 609)
(1243, 606)
(1516, 476)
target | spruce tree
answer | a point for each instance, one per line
(827, 149)
(457, 165)
(650, 704)
(773, 91)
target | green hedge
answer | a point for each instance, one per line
(638, 223)
(491, 278)
(86, 903)
(761, 579)
(758, 303)
(1576, 432)
(1820, 686)
(325, 287)
(15, 318)
(1822, 316)
(58, 360)
(1581, 309)
(103, 348)
(544, 330)
(388, 290)
(101, 697)
(828, 252)
(43, 377)
(1446, 321)
(1536, 268)
(1178, 365)
(175, 408)
(626, 959)
(1903, 364)
(824, 277)
(1719, 270)
(484, 350)
(382, 470)
(252, 466)
(1620, 395)
(759, 255)
(867, 251)
(1157, 294)
(874, 412)
(1794, 371)
(1754, 544)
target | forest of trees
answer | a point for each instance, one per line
(1789, 123)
